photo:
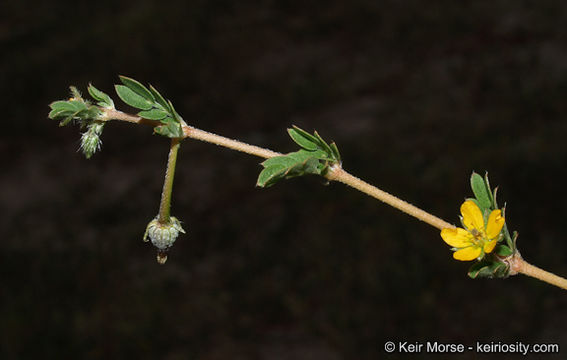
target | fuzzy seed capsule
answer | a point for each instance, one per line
(163, 236)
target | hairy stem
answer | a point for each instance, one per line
(197, 134)
(194, 133)
(165, 203)
(520, 266)
(113, 114)
(336, 173)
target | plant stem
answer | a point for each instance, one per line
(520, 266)
(336, 173)
(165, 203)
(194, 133)
(198, 134)
(113, 114)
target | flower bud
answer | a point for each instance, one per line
(163, 236)
(90, 140)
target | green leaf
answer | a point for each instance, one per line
(89, 113)
(490, 195)
(76, 94)
(315, 143)
(153, 105)
(138, 88)
(171, 129)
(314, 158)
(291, 165)
(103, 99)
(63, 116)
(153, 114)
(323, 145)
(494, 202)
(489, 269)
(283, 160)
(133, 99)
(336, 154)
(176, 116)
(301, 140)
(503, 250)
(66, 111)
(481, 192)
(56, 113)
(160, 99)
(305, 134)
(269, 175)
(62, 105)
(476, 268)
(514, 239)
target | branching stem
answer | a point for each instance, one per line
(336, 173)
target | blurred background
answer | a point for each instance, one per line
(416, 96)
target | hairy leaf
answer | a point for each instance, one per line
(103, 99)
(314, 158)
(336, 154)
(489, 269)
(133, 99)
(138, 88)
(160, 99)
(305, 142)
(291, 165)
(171, 129)
(481, 192)
(153, 114)
(503, 250)
(66, 111)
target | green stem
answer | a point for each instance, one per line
(165, 203)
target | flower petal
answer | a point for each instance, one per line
(495, 223)
(456, 237)
(467, 254)
(489, 246)
(472, 216)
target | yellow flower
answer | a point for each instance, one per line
(477, 238)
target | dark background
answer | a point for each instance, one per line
(416, 94)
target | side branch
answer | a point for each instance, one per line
(165, 202)
(336, 173)
(75, 108)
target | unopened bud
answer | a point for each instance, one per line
(90, 140)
